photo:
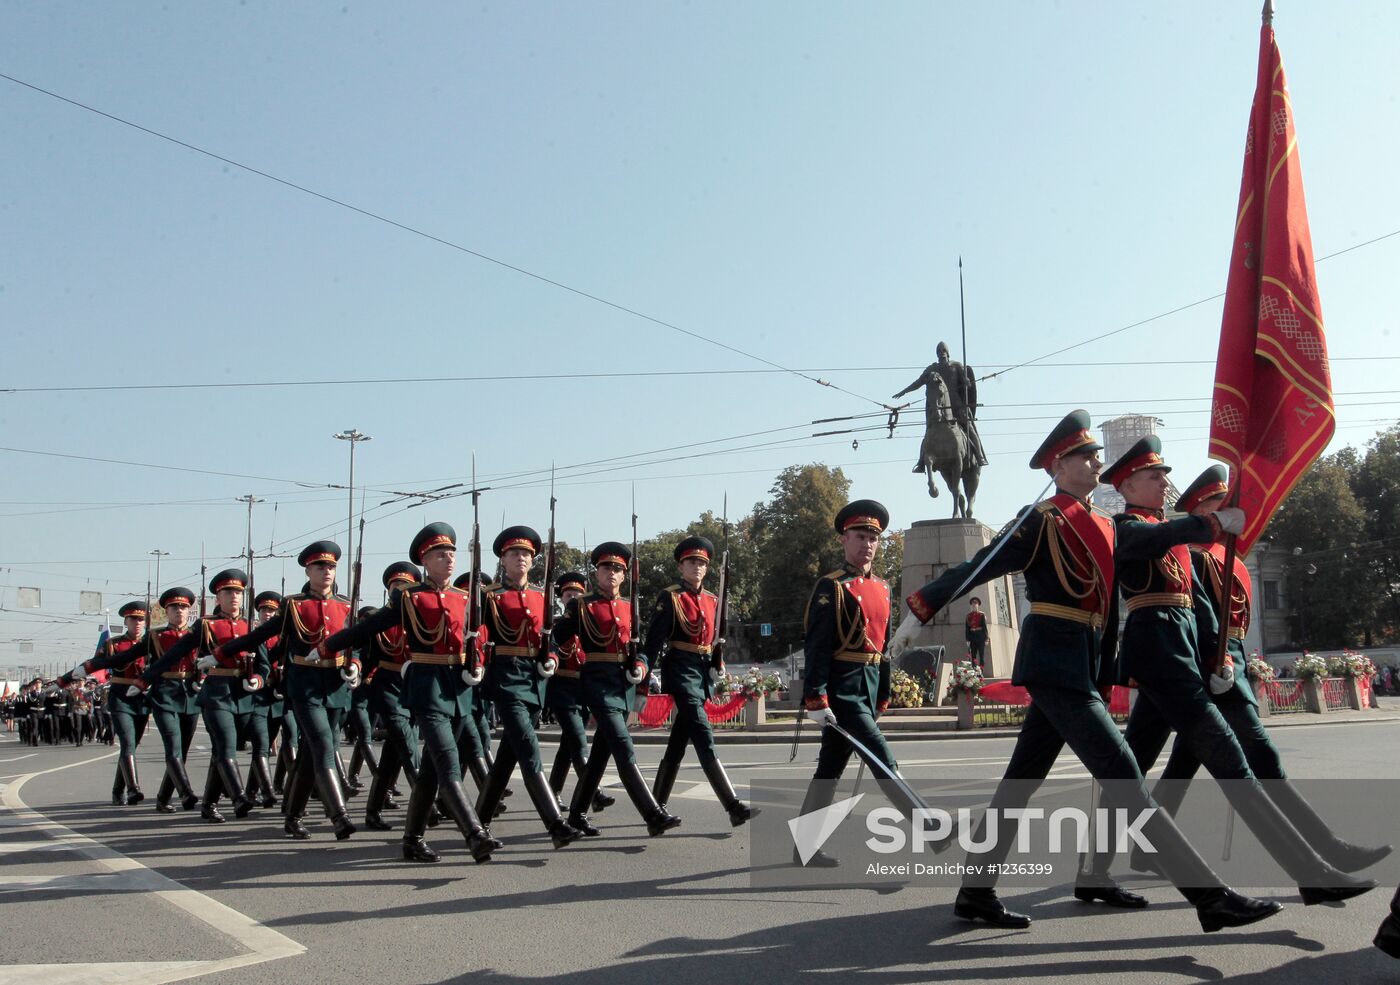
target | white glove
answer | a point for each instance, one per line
(133, 691)
(251, 684)
(403, 668)
(474, 677)
(77, 673)
(903, 636)
(1231, 519)
(548, 667)
(636, 673)
(1223, 681)
(822, 716)
(207, 662)
(350, 674)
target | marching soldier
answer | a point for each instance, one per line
(1065, 660)
(441, 668)
(847, 678)
(516, 674)
(79, 707)
(319, 680)
(685, 624)
(173, 698)
(126, 658)
(225, 699)
(1160, 651)
(602, 622)
(1232, 695)
(474, 744)
(269, 705)
(564, 698)
(383, 659)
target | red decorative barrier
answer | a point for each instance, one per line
(1006, 693)
(660, 706)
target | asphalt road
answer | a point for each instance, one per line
(98, 894)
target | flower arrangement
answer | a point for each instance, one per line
(750, 683)
(1309, 666)
(905, 690)
(1336, 666)
(1357, 665)
(966, 677)
(1260, 670)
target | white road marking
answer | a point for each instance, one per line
(261, 943)
(16, 759)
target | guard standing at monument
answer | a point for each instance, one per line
(563, 696)
(975, 632)
(520, 664)
(173, 699)
(1065, 660)
(383, 659)
(1159, 653)
(126, 658)
(319, 682)
(680, 642)
(612, 670)
(443, 666)
(225, 699)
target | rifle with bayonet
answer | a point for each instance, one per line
(471, 637)
(547, 662)
(634, 661)
(722, 612)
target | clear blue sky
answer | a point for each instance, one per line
(796, 180)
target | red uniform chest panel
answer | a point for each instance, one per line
(520, 614)
(1242, 592)
(391, 641)
(571, 655)
(608, 625)
(167, 638)
(321, 617)
(222, 631)
(1090, 538)
(122, 647)
(696, 617)
(873, 597)
(437, 621)
(1173, 569)
(976, 620)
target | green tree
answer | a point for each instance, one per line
(1333, 598)
(1377, 487)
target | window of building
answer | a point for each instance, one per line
(1271, 600)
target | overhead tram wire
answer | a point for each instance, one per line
(415, 231)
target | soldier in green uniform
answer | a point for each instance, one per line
(684, 623)
(519, 666)
(1065, 660)
(613, 669)
(1230, 690)
(173, 699)
(474, 743)
(846, 678)
(564, 699)
(1160, 653)
(443, 665)
(319, 681)
(383, 658)
(269, 704)
(226, 699)
(125, 656)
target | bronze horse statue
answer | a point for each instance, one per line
(947, 451)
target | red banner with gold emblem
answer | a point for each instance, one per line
(1272, 413)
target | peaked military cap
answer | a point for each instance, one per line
(571, 579)
(322, 550)
(402, 571)
(433, 535)
(862, 513)
(1146, 453)
(1213, 482)
(611, 552)
(700, 547)
(136, 609)
(517, 536)
(176, 596)
(367, 610)
(1071, 435)
(268, 600)
(228, 578)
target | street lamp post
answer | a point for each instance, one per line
(158, 555)
(354, 437)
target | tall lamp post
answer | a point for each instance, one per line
(158, 555)
(354, 437)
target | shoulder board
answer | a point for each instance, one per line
(709, 594)
(459, 591)
(672, 588)
(341, 598)
(1094, 508)
(836, 575)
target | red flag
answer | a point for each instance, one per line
(1272, 412)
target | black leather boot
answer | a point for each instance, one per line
(819, 794)
(479, 840)
(233, 784)
(584, 790)
(133, 786)
(490, 762)
(118, 787)
(1318, 882)
(658, 819)
(286, 760)
(258, 768)
(348, 788)
(542, 797)
(175, 768)
(420, 802)
(665, 780)
(212, 788)
(164, 792)
(299, 785)
(379, 793)
(1388, 934)
(739, 812)
(334, 802)
(981, 903)
(489, 794)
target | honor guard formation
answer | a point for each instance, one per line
(425, 666)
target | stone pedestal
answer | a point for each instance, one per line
(965, 713)
(1261, 692)
(1354, 699)
(1312, 695)
(932, 547)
